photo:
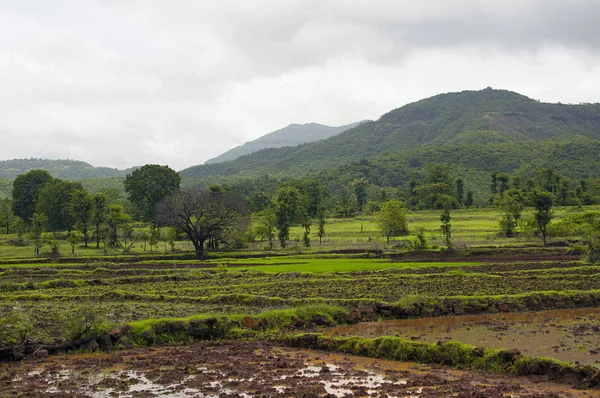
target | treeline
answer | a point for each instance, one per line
(220, 214)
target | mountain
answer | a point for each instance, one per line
(292, 135)
(476, 129)
(64, 169)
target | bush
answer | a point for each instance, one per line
(16, 326)
(84, 322)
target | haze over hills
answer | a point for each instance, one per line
(292, 135)
(61, 168)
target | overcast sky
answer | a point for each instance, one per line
(128, 82)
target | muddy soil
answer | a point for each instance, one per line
(571, 335)
(254, 369)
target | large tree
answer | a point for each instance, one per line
(150, 184)
(54, 201)
(25, 192)
(204, 216)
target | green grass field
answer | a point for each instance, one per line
(352, 269)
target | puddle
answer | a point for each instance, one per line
(249, 369)
(568, 335)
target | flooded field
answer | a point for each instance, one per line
(568, 335)
(255, 369)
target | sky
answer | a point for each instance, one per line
(121, 83)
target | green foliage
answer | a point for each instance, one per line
(391, 219)
(287, 210)
(80, 210)
(591, 240)
(7, 217)
(475, 132)
(510, 203)
(265, 228)
(16, 326)
(149, 185)
(215, 217)
(542, 202)
(84, 321)
(26, 188)
(54, 200)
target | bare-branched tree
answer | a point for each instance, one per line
(207, 217)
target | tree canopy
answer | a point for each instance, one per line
(150, 184)
(204, 216)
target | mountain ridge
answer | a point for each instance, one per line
(292, 135)
(467, 117)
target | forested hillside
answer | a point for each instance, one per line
(474, 131)
(292, 135)
(66, 169)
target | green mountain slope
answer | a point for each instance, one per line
(455, 120)
(64, 169)
(292, 135)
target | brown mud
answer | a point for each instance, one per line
(251, 369)
(571, 335)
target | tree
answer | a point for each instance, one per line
(391, 219)
(204, 216)
(460, 190)
(54, 201)
(542, 202)
(118, 227)
(306, 224)
(591, 240)
(81, 212)
(38, 224)
(6, 215)
(469, 200)
(267, 222)
(99, 215)
(510, 203)
(73, 238)
(150, 184)
(446, 202)
(321, 232)
(25, 192)
(287, 209)
(503, 182)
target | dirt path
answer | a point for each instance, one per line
(250, 369)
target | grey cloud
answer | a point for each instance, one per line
(196, 77)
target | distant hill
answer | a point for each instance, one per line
(292, 135)
(480, 130)
(64, 169)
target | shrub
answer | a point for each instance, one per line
(83, 322)
(16, 326)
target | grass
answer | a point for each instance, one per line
(164, 292)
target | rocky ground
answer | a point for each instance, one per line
(254, 369)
